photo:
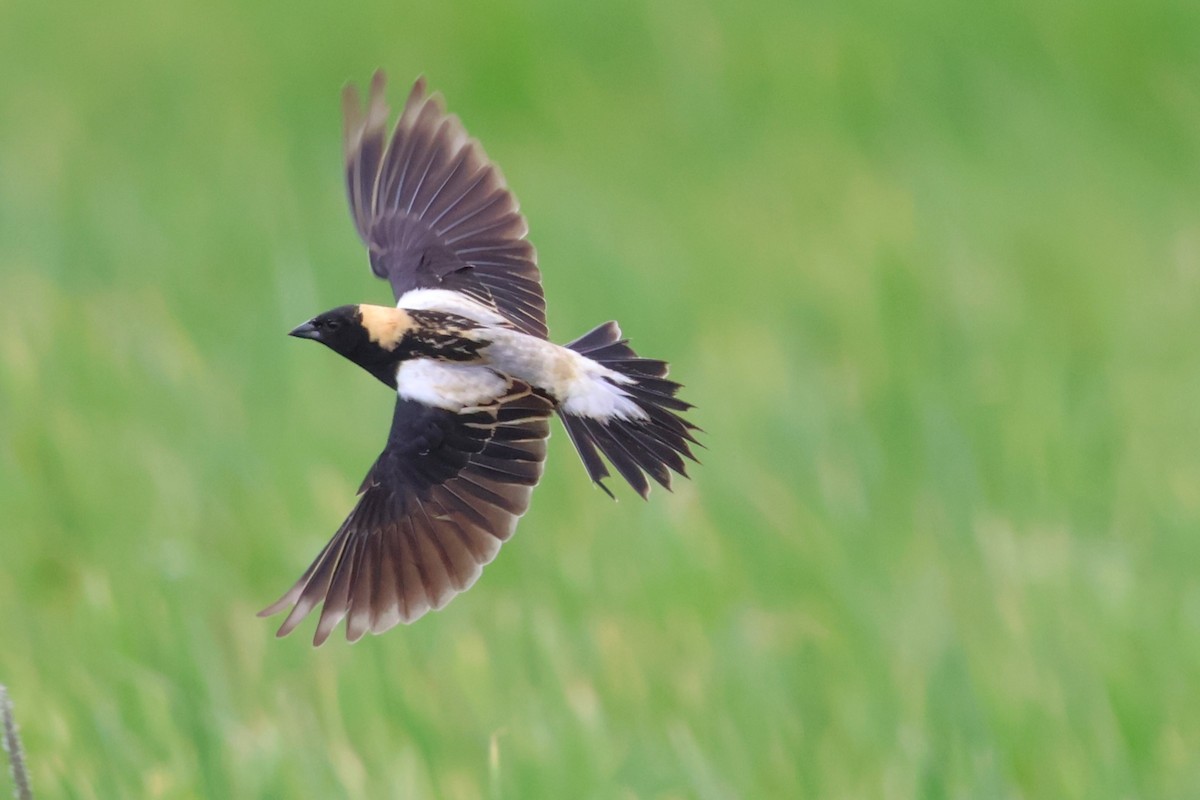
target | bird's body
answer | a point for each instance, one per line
(466, 351)
(475, 347)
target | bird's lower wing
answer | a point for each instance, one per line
(444, 494)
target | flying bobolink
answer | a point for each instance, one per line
(466, 350)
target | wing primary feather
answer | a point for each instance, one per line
(399, 559)
(364, 587)
(418, 153)
(415, 578)
(476, 518)
(293, 594)
(432, 164)
(315, 588)
(461, 562)
(434, 556)
(487, 205)
(451, 172)
(428, 159)
(385, 605)
(338, 596)
(433, 223)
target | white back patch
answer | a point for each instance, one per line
(443, 384)
(450, 302)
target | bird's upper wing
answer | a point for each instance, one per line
(446, 491)
(434, 212)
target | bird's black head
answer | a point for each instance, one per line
(339, 329)
(344, 331)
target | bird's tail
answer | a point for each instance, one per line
(653, 445)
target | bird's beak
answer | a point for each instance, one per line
(304, 331)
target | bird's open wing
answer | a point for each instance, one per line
(435, 507)
(434, 212)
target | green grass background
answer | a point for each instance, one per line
(931, 272)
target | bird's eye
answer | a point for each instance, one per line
(333, 324)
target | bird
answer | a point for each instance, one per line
(466, 351)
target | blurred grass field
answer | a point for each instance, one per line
(930, 272)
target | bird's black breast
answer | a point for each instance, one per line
(426, 447)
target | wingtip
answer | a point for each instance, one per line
(289, 597)
(377, 108)
(288, 625)
(352, 117)
(350, 99)
(418, 93)
(324, 629)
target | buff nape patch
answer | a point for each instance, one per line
(385, 326)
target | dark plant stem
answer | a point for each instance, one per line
(12, 745)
